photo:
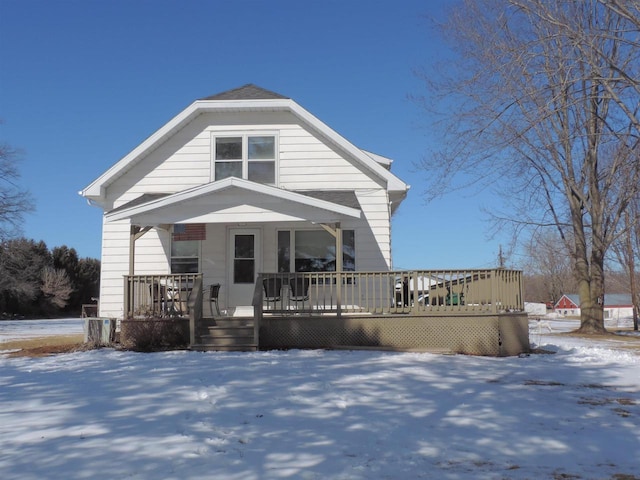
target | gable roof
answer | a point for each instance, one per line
(214, 199)
(246, 98)
(617, 300)
(574, 298)
(246, 92)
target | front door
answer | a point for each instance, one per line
(244, 264)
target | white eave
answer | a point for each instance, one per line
(96, 190)
(323, 209)
(384, 161)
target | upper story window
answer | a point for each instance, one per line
(252, 157)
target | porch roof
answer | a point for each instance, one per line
(234, 200)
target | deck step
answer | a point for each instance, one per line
(227, 331)
(226, 322)
(225, 340)
(225, 334)
(248, 347)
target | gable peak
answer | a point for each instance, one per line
(246, 92)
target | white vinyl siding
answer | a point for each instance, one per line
(375, 239)
(150, 258)
(306, 163)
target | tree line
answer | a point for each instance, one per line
(37, 282)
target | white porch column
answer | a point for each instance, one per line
(336, 231)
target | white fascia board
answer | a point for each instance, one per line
(96, 189)
(232, 182)
(379, 158)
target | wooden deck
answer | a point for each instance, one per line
(477, 312)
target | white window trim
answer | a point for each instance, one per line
(245, 134)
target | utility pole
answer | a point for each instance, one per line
(500, 258)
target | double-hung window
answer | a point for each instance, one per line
(185, 256)
(252, 157)
(185, 247)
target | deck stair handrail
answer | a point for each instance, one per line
(194, 304)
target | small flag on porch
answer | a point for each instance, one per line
(189, 231)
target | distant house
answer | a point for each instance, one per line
(568, 304)
(616, 305)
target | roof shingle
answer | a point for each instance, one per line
(246, 92)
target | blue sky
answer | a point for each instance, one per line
(83, 82)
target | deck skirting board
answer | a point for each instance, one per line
(492, 335)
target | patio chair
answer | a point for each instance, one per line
(158, 295)
(298, 290)
(214, 292)
(272, 288)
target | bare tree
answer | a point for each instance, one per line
(56, 286)
(548, 268)
(545, 100)
(14, 201)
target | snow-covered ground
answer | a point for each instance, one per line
(314, 414)
(25, 329)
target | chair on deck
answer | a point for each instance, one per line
(158, 295)
(298, 290)
(272, 287)
(214, 292)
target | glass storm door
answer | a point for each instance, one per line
(244, 265)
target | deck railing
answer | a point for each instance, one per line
(423, 292)
(159, 295)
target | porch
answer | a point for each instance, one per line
(478, 312)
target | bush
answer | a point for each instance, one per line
(153, 334)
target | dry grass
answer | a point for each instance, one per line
(45, 346)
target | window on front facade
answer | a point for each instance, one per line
(252, 157)
(185, 256)
(185, 248)
(314, 251)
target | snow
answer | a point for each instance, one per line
(315, 414)
(26, 329)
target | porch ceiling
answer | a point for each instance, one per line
(233, 200)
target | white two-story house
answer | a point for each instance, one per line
(242, 182)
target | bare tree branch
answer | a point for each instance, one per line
(14, 201)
